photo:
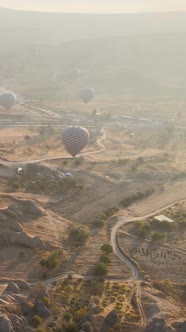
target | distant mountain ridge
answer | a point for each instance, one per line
(126, 54)
(130, 65)
(24, 27)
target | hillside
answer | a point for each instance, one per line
(127, 54)
(129, 66)
(23, 28)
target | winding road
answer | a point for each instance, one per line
(135, 274)
(99, 143)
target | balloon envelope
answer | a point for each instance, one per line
(87, 94)
(73, 73)
(7, 99)
(75, 139)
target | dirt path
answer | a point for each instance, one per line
(99, 143)
(140, 306)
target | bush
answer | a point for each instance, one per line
(37, 320)
(67, 316)
(135, 197)
(87, 327)
(165, 226)
(100, 269)
(123, 161)
(79, 235)
(134, 168)
(71, 327)
(46, 300)
(81, 313)
(105, 259)
(78, 162)
(118, 326)
(143, 230)
(102, 217)
(98, 223)
(156, 236)
(110, 211)
(52, 260)
(107, 248)
(140, 161)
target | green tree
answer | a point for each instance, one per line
(143, 230)
(79, 235)
(101, 269)
(156, 236)
(107, 248)
(105, 259)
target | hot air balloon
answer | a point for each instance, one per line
(7, 99)
(75, 139)
(73, 73)
(87, 94)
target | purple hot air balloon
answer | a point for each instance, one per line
(7, 99)
(87, 94)
(75, 139)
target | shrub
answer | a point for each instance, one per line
(143, 230)
(110, 211)
(81, 313)
(118, 326)
(79, 235)
(98, 223)
(37, 320)
(71, 327)
(123, 161)
(135, 197)
(87, 327)
(46, 300)
(100, 269)
(140, 161)
(165, 226)
(103, 216)
(156, 236)
(51, 261)
(107, 248)
(105, 259)
(67, 316)
(78, 162)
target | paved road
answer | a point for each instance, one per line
(134, 272)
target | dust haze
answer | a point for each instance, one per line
(92, 171)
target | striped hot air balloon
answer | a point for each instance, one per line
(7, 99)
(87, 94)
(75, 139)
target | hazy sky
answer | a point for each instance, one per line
(107, 6)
